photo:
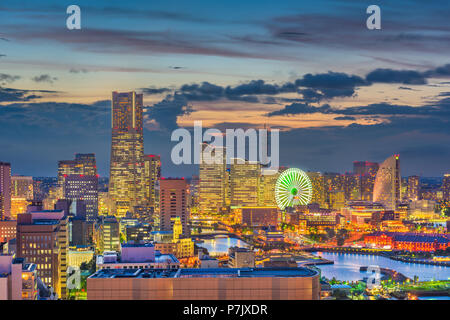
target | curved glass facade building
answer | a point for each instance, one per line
(387, 189)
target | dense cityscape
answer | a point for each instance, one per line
(141, 235)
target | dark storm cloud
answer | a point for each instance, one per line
(44, 78)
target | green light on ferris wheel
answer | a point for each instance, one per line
(293, 187)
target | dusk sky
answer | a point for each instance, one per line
(337, 91)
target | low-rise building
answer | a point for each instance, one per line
(137, 255)
(18, 280)
(204, 284)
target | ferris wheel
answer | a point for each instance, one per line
(293, 187)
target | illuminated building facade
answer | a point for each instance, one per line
(387, 183)
(109, 234)
(173, 204)
(42, 239)
(267, 182)
(22, 187)
(7, 230)
(18, 280)
(366, 171)
(244, 182)
(446, 187)
(5, 190)
(413, 188)
(408, 241)
(84, 164)
(85, 188)
(126, 184)
(259, 216)
(317, 181)
(212, 186)
(152, 174)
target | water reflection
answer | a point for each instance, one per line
(219, 245)
(346, 267)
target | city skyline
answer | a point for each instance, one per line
(337, 97)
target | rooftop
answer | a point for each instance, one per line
(205, 273)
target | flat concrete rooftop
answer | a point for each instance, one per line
(205, 273)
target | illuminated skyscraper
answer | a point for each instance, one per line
(244, 182)
(126, 187)
(267, 182)
(152, 173)
(109, 234)
(446, 187)
(5, 190)
(83, 187)
(413, 188)
(84, 163)
(212, 186)
(173, 204)
(42, 239)
(387, 183)
(366, 171)
(22, 187)
(318, 184)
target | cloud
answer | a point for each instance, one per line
(7, 78)
(16, 95)
(345, 118)
(436, 108)
(78, 70)
(165, 113)
(44, 78)
(153, 90)
(396, 76)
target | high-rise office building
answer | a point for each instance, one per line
(332, 185)
(244, 182)
(42, 239)
(413, 188)
(152, 173)
(22, 187)
(5, 190)
(85, 188)
(387, 189)
(446, 187)
(21, 194)
(318, 184)
(84, 163)
(109, 234)
(267, 182)
(212, 186)
(366, 171)
(126, 187)
(173, 204)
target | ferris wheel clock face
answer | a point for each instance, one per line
(293, 188)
